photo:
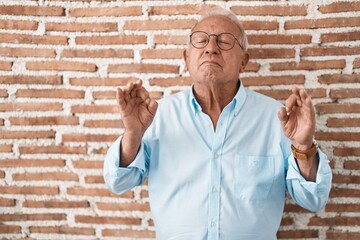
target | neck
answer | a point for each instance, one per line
(214, 98)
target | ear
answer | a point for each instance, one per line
(244, 61)
(186, 58)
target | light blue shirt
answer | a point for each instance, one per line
(227, 183)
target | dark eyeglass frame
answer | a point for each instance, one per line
(217, 40)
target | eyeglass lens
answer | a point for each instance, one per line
(225, 41)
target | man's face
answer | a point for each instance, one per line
(212, 65)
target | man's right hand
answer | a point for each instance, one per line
(137, 111)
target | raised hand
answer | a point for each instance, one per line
(298, 119)
(137, 109)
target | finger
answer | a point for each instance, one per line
(152, 106)
(142, 93)
(296, 91)
(120, 99)
(290, 103)
(283, 116)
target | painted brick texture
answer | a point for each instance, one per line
(62, 60)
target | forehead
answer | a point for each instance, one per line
(217, 24)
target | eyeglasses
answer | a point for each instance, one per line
(225, 41)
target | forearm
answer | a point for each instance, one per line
(308, 169)
(129, 147)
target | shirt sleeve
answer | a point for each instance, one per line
(310, 195)
(119, 179)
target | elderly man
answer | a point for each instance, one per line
(218, 157)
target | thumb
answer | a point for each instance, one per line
(152, 106)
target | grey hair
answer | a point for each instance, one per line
(219, 11)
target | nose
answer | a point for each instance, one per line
(212, 47)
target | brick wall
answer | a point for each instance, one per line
(61, 61)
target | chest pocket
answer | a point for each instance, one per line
(254, 177)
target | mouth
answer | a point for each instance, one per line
(210, 63)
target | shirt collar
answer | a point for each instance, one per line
(237, 102)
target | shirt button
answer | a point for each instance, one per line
(214, 190)
(213, 224)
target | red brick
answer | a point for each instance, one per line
(334, 221)
(284, 94)
(29, 190)
(356, 63)
(170, 39)
(62, 66)
(81, 27)
(252, 67)
(87, 164)
(14, 107)
(97, 192)
(55, 204)
(339, 78)
(32, 163)
(346, 179)
(178, 9)
(107, 220)
(308, 65)
(260, 25)
(338, 7)
(3, 93)
(336, 235)
(273, 80)
(132, 206)
(329, 51)
(89, 137)
(101, 81)
(99, 53)
(355, 165)
(94, 109)
(7, 229)
(279, 39)
(340, 37)
(5, 148)
(293, 10)
(256, 53)
(294, 208)
(7, 202)
(36, 121)
(143, 68)
(104, 11)
(323, 23)
(63, 230)
(94, 180)
(345, 207)
(32, 217)
(344, 93)
(103, 124)
(128, 233)
(338, 136)
(344, 193)
(343, 151)
(343, 122)
(25, 79)
(337, 108)
(297, 234)
(46, 176)
(18, 25)
(33, 39)
(162, 53)
(26, 134)
(32, 10)
(27, 52)
(49, 93)
(112, 40)
(5, 66)
(159, 24)
(167, 82)
(52, 149)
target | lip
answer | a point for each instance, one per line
(208, 62)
